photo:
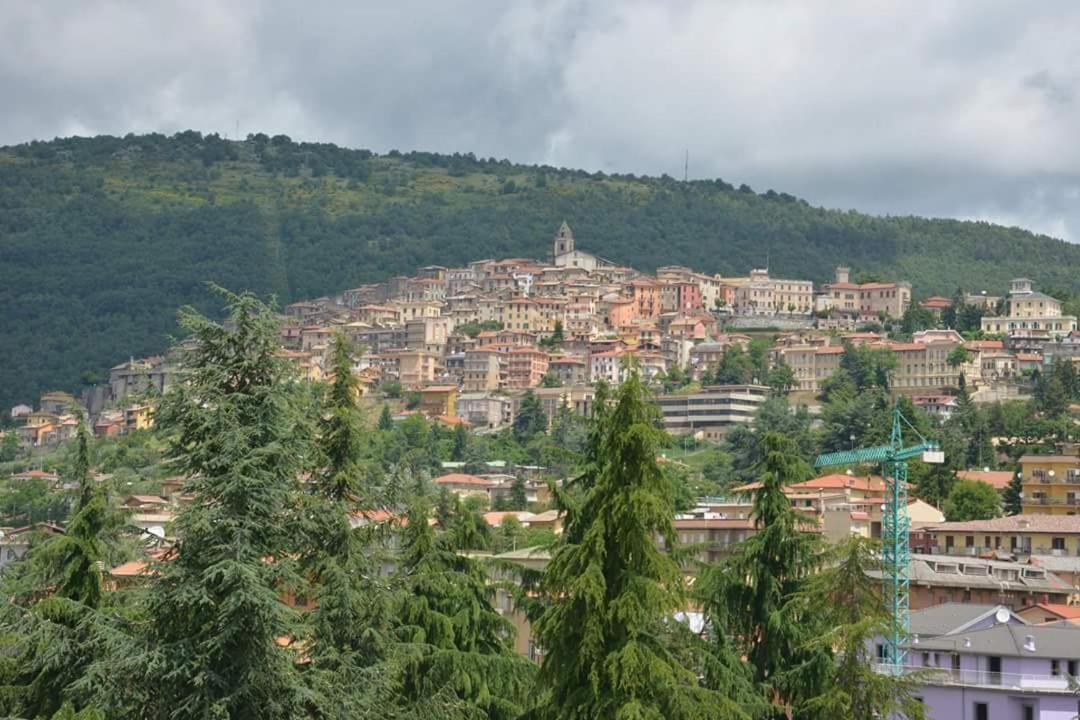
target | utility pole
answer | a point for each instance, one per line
(686, 166)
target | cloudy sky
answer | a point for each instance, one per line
(947, 108)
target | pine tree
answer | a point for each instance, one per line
(518, 498)
(845, 597)
(748, 593)
(610, 589)
(386, 421)
(531, 419)
(341, 429)
(81, 548)
(461, 443)
(452, 635)
(349, 617)
(1012, 497)
(216, 623)
(50, 621)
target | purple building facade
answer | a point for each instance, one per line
(996, 668)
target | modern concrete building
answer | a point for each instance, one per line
(711, 412)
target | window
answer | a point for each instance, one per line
(1055, 668)
(982, 711)
(1071, 665)
(1057, 543)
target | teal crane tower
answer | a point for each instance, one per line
(896, 550)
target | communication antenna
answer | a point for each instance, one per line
(686, 166)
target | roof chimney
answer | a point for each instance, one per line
(1029, 643)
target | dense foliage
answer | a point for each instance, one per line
(102, 238)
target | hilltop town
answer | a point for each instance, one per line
(486, 377)
(465, 343)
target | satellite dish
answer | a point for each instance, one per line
(1002, 615)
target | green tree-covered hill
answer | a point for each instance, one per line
(101, 239)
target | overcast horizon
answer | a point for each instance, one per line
(961, 109)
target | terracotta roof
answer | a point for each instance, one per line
(132, 568)
(462, 479)
(873, 483)
(999, 479)
(495, 519)
(34, 474)
(1030, 523)
(1069, 612)
(1050, 459)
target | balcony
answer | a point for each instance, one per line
(978, 678)
(1043, 500)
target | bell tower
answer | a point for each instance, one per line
(564, 241)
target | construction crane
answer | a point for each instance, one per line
(896, 551)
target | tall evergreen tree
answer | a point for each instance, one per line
(610, 588)
(455, 642)
(530, 419)
(748, 593)
(213, 644)
(349, 617)
(49, 620)
(386, 421)
(81, 548)
(845, 596)
(1012, 497)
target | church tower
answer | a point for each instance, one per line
(564, 241)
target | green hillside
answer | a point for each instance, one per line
(101, 239)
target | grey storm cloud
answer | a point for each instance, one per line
(957, 108)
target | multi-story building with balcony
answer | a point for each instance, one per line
(994, 667)
(1026, 534)
(713, 411)
(1052, 482)
(1030, 310)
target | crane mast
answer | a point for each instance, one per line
(895, 525)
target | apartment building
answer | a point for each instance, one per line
(526, 367)
(417, 368)
(1052, 482)
(483, 370)
(923, 366)
(938, 579)
(996, 668)
(427, 333)
(760, 294)
(713, 411)
(680, 297)
(1030, 310)
(569, 369)
(1024, 534)
(865, 301)
(607, 366)
(646, 295)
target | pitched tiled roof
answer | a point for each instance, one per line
(1015, 523)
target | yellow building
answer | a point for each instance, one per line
(138, 417)
(1055, 535)
(439, 400)
(1051, 484)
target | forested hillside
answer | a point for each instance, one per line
(101, 239)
